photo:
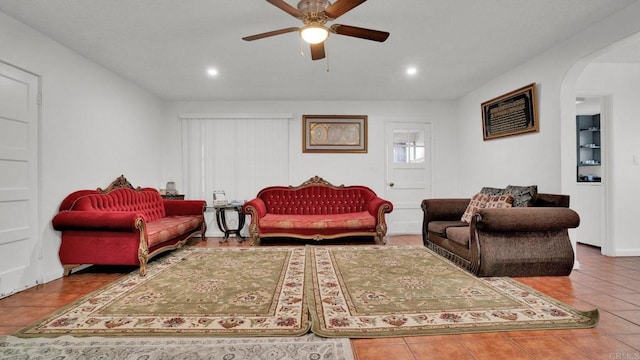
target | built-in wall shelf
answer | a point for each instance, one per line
(589, 148)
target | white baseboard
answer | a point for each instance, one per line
(629, 252)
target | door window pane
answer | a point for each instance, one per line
(408, 146)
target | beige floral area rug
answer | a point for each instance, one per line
(195, 291)
(336, 291)
(202, 348)
(374, 291)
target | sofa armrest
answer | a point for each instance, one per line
(184, 207)
(444, 209)
(377, 204)
(97, 220)
(526, 219)
(256, 208)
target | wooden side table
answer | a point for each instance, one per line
(221, 220)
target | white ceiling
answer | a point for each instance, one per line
(165, 46)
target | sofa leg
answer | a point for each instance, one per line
(143, 258)
(143, 268)
(69, 268)
(255, 241)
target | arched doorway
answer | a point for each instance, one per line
(600, 75)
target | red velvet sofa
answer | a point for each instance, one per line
(317, 210)
(124, 226)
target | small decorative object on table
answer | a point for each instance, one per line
(219, 198)
(171, 188)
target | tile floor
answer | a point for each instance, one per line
(610, 284)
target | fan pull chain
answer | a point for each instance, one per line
(327, 56)
(301, 47)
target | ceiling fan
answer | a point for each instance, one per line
(315, 14)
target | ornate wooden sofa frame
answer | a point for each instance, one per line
(317, 210)
(123, 225)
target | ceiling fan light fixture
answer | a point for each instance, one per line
(314, 33)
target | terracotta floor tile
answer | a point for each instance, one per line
(604, 287)
(584, 292)
(632, 340)
(629, 315)
(576, 303)
(439, 347)
(548, 348)
(39, 299)
(429, 338)
(485, 335)
(630, 298)
(494, 349)
(23, 316)
(382, 351)
(598, 347)
(610, 303)
(9, 329)
(611, 324)
(553, 333)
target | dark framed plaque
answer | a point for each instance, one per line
(511, 114)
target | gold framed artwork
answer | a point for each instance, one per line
(510, 114)
(334, 133)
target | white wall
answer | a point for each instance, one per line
(620, 81)
(546, 158)
(348, 169)
(94, 127)
(527, 159)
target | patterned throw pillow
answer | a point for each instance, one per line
(499, 202)
(523, 196)
(478, 201)
(491, 191)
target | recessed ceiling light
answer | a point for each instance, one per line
(212, 72)
(412, 70)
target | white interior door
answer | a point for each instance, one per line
(590, 198)
(19, 247)
(408, 148)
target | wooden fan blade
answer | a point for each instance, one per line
(317, 51)
(359, 32)
(270, 33)
(287, 8)
(340, 7)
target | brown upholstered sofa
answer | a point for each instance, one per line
(517, 241)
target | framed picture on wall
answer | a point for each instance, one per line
(510, 114)
(334, 133)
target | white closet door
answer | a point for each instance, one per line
(20, 248)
